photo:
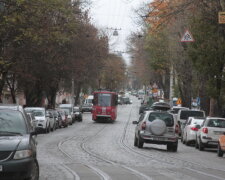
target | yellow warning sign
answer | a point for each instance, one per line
(221, 17)
(179, 101)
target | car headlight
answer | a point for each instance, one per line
(22, 154)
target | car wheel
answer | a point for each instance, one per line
(172, 147)
(200, 145)
(140, 143)
(219, 151)
(175, 146)
(196, 144)
(35, 171)
(135, 141)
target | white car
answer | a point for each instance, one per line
(52, 121)
(190, 130)
(42, 122)
(209, 133)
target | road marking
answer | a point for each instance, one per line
(206, 174)
(138, 173)
(99, 172)
(77, 177)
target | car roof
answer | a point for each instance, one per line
(215, 118)
(37, 108)
(11, 107)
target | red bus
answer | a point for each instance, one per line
(104, 106)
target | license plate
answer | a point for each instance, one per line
(218, 132)
(1, 168)
(158, 139)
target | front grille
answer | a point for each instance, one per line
(4, 155)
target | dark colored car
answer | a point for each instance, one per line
(78, 114)
(86, 108)
(126, 100)
(143, 108)
(18, 145)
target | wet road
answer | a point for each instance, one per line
(105, 151)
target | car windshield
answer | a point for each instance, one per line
(104, 99)
(220, 123)
(167, 118)
(38, 113)
(76, 109)
(12, 122)
(68, 110)
(187, 114)
(197, 121)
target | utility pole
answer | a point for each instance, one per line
(171, 85)
(72, 92)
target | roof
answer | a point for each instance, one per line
(104, 92)
(11, 106)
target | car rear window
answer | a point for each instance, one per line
(167, 118)
(220, 123)
(187, 114)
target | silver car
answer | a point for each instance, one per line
(156, 127)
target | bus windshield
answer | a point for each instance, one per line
(104, 100)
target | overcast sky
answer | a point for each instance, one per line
(116, 14)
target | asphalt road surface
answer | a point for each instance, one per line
(104, 151)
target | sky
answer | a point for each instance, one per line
(117, 14)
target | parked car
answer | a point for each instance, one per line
(57, 117)
(221, 145)
(190, 129)
(52, 120)
(163, 106)
(209, 133)
(143, 108)
(184, 114)
(68, 116)
(69, 109)
(18, 157)
(42, 121)
(126, 100)
(86, 108)
(32, 119)
(78, 114)
(63, 117)
(174, 111)
(156, 127)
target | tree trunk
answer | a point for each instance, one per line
(78, 90)
(2, 84)
(34, 95)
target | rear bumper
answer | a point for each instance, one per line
(212, 144)
(158, 139)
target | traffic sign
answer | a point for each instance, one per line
(187, 37)
(221, 17)
(179, 101)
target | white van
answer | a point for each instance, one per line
(89, 99)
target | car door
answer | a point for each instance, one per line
(187, 128)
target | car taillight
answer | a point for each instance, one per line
(143, 126)
(205, 130)
(194, 129)
(177, 129)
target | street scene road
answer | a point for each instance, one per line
(91, 151)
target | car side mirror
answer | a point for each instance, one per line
(135, 122)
